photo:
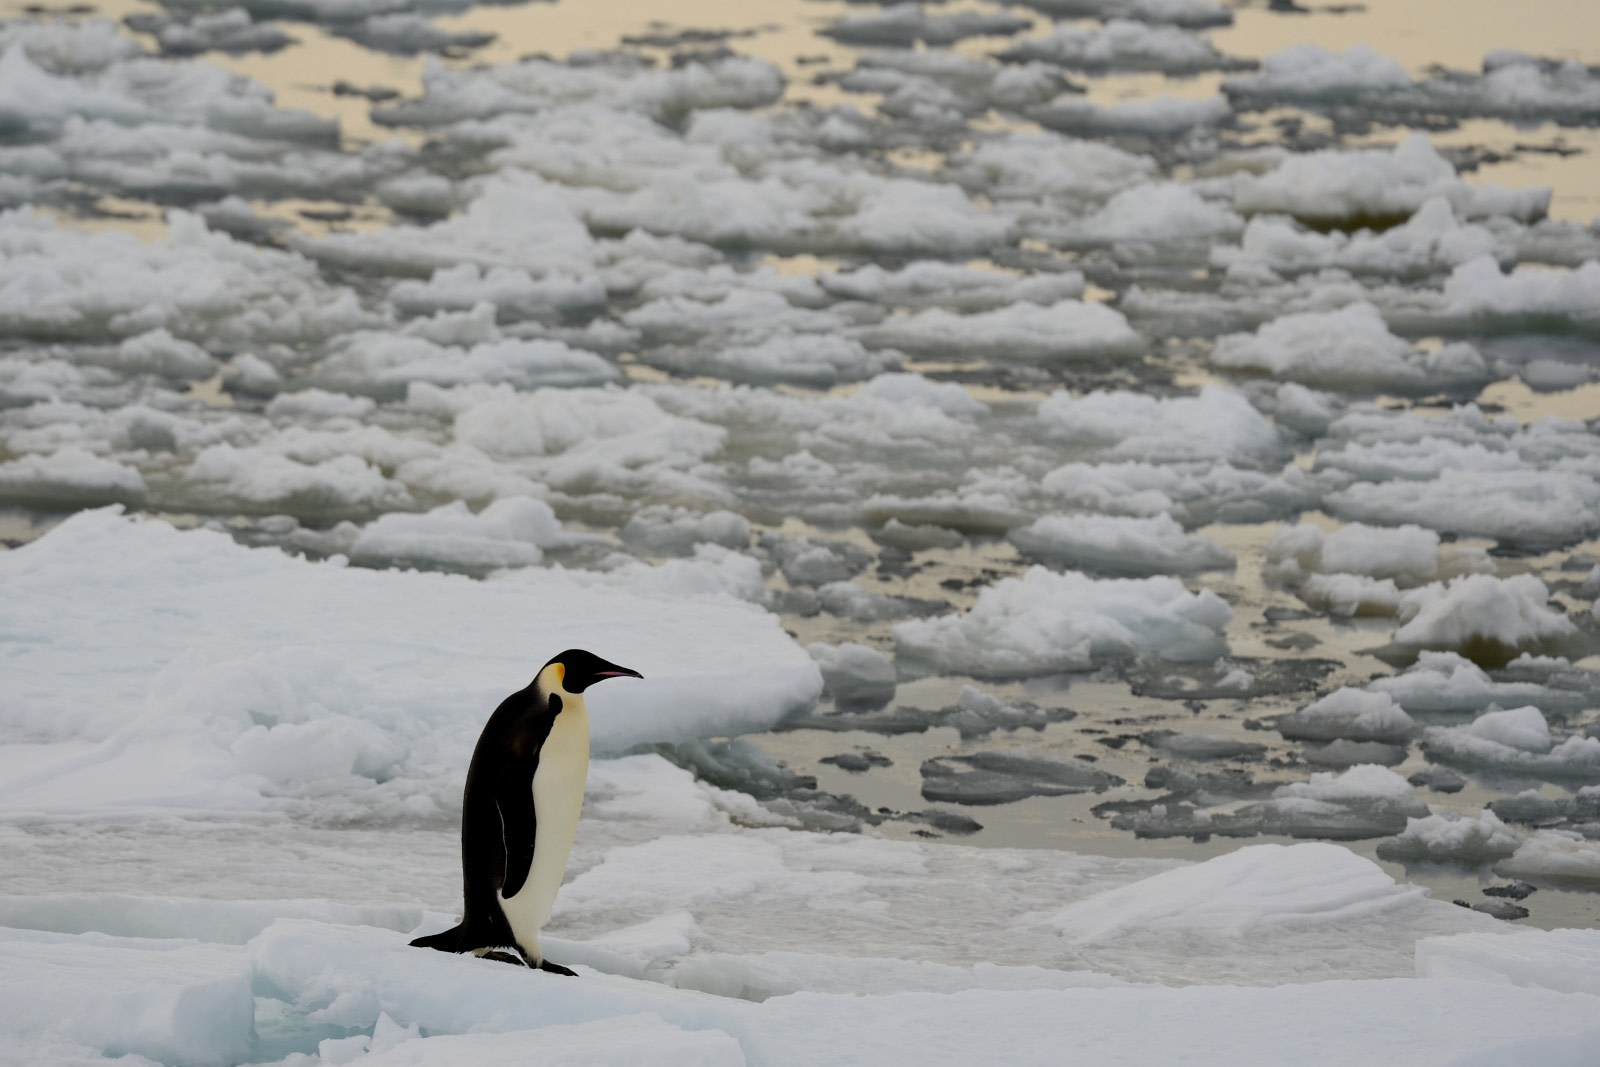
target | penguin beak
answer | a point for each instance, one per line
(616, 672)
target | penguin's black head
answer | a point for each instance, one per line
(579, 669)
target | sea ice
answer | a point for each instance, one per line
(236, 708)
(1516, 743)
(1044, 623)
(1482, 616)
(1121, 545)
(1374, 184)
(1451, 838)
(1349, 349)
(1122, 44)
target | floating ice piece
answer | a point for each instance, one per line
(904, 25)
(70, 476)
(1044, 622)
(1195, 493)
(1479, 296)
(1555, 857)
(1432, 241)
(140, 90)
(985, 778)
(412, 681)
(406, 34)
(1563, 960)
(231, 30)
(514, 291)
(76, 46)
(1217, 423)
(855, 675)
(1121, 44)
(453, 94)
(1347, 595)
(818, 360)
(386, 364)
(1119, 545)
(1034, 166)
(677, 530)
(1259, 888)
(1511, 87)
(1158, 117)
(1408, 552)
(1451, 838)
(1067, 330)
(1351, 714)
(200, 286)
(1350, 349)
(815, 206)
(929, 283)
(1306, 74)
(1194, 14)
(1157, 213)
(257, 480)
(517, 220)
(1446, 682)
(712, 572)
(511, 532)
(1518, 743)
(1365, 801)
(1482, 616)
(175, 1001)
(1377, 185)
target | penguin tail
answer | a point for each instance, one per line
(451, 940)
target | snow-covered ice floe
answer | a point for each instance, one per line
(301, 693)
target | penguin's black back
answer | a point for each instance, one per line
(498, 822)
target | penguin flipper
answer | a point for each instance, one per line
(518, 828)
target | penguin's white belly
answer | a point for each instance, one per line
(557, 801)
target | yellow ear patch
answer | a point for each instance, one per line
(561, 673)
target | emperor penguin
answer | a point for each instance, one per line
(520, 812)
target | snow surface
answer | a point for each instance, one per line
(771, 382)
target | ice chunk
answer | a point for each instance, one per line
(1003, 777)
(1196, 493)
(855, 675)
(1124, 546)
(1351, 714)
(1452, 838)
(199, 285)
(1381, 185)
(1563, 960)
(1555, 857)
(903, 25)
(1259, 887)
(1350, 348)
(1516, 742)
(677, 530)
(1193, 14)
(1159, 117)
(510, 532)
(1217, 423)
(71, 476)
(172, 1000)
(930, 283)
(386, 718)
(1483, 617)
(1044, 622)
(1122, 44)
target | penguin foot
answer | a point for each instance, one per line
(556, 968)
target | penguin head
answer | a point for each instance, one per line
(576, 670)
